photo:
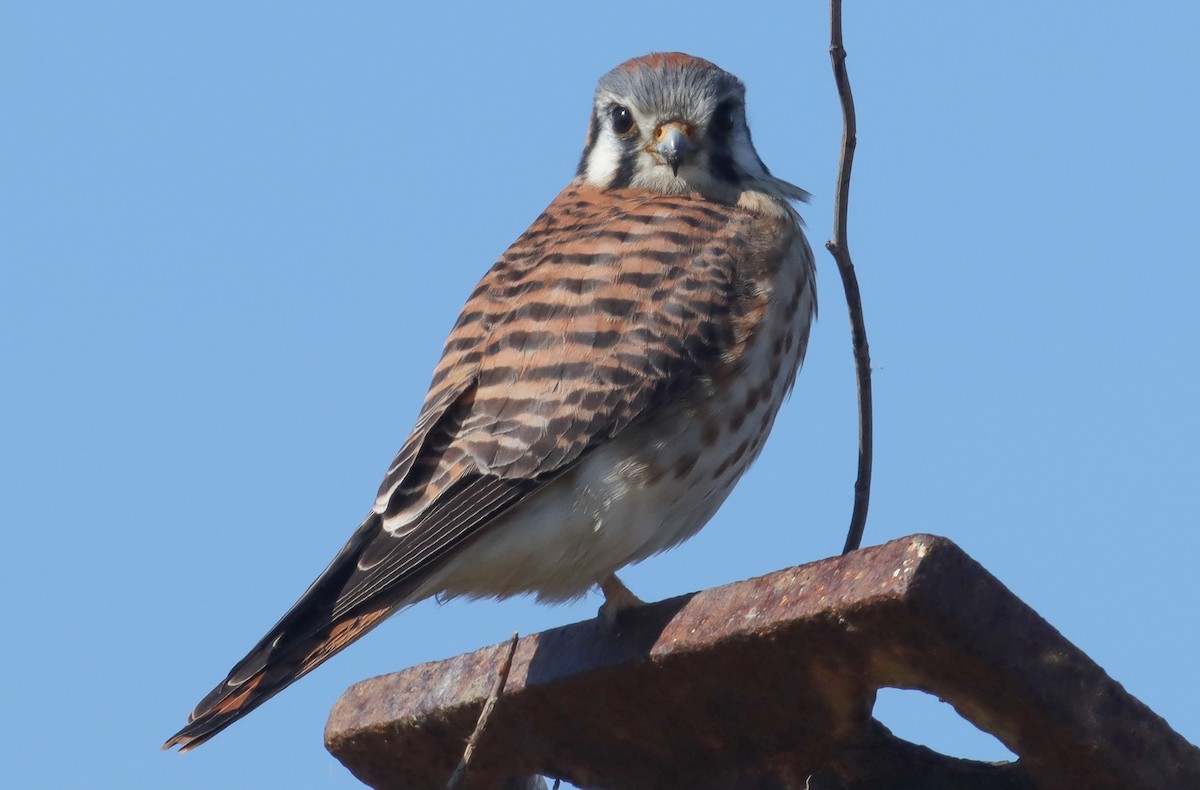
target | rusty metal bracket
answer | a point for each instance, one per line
(769, 683)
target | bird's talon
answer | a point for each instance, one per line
(617, 599)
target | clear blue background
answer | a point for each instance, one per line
(232, 239)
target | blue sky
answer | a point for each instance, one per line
(233, 237)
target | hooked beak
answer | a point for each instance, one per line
(673, 145)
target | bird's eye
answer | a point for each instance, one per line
(622, 119)
(722, 120)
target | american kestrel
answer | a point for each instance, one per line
(607, 383)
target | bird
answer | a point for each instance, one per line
(607, 383)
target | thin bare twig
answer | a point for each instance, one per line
(839, 247)
(460, 771)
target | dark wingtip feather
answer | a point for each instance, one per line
(293, 647)
(224, 705)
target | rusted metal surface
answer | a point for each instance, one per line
(769, 683)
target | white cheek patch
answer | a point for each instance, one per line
(604, 160)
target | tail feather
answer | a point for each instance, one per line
(302, 640)
(281, 665)
(375, 573)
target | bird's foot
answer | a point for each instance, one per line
(617, 598)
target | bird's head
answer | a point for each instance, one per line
(673, 123)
